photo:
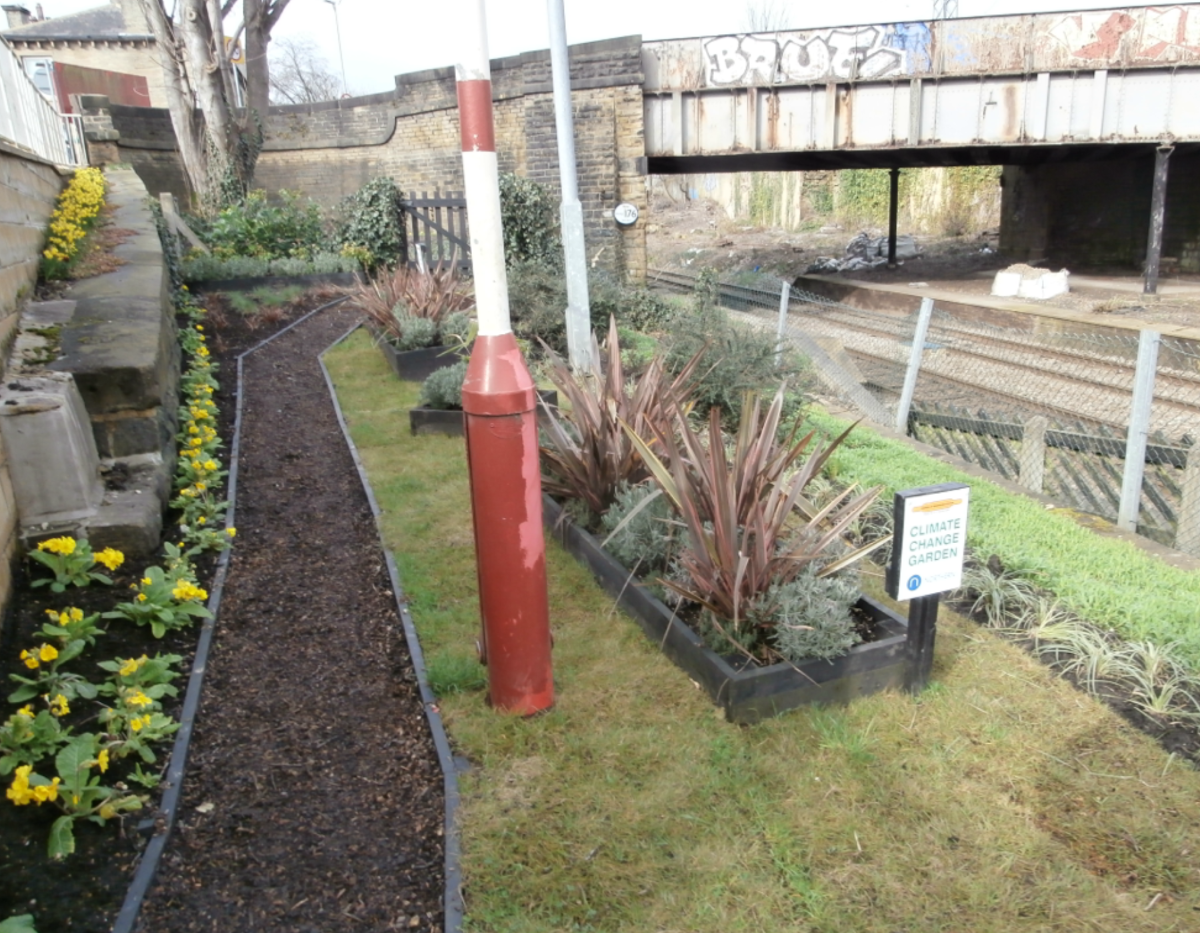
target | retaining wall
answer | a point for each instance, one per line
(28, 190)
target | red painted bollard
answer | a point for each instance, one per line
(502, 449)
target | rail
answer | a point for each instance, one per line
(28, 121)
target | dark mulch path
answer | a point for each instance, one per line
(311, 747)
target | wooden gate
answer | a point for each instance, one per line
(438, 225)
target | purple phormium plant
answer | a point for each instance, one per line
(591, 454)
(749, 524)
(432, 294)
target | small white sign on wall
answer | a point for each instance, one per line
(930, 540)
(625, 214)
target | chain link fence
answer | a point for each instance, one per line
(1040, 401)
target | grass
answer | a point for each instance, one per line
(1000, 799)
(260, 300)
(1106, 580)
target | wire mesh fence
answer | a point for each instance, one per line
(1037, 400)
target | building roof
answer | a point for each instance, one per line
(102, 22)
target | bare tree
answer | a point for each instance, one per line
(217, 143)
(260, 17)
(768, 15)
(300, 74)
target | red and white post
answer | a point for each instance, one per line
(501, 426)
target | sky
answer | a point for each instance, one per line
(383, 38)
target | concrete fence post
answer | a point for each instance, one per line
(1187, 529)
(1139, 430)
(785, 297)
(914, 365)
(1032, 459)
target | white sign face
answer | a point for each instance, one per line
(625, 214)
(928, 552)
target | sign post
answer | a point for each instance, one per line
(927, 560)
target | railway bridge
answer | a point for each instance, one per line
(1095, 116)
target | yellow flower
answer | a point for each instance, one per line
(137, 698)
(26, 711)
(110, 558)
(64, 546)
(210, 464)
(19, 792)
(146, 581)
(59, 707)
(201, 520)
(47, 653)
(107, 810)
(47, 791)
(231, 532)
(186, 591)
(129, 667)
(139, 723)
(141, 597)
(30, 659)
(102, 760)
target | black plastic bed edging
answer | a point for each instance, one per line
(452, 902)
(745, 692)
(164, 817)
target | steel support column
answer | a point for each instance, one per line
(1158, 209)
(893, 210)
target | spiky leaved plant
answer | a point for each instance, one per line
(749, 525)
(587, 453)
(395, 295)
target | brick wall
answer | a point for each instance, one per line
(28, 190)
(329, 150)
(1088, 214)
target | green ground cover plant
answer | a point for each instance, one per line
(1106, 580)
(1000, 799)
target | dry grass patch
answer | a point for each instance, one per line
(1000, 799)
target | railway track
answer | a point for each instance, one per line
(1090, 377)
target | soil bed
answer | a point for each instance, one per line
(311, 743)
(312, 747)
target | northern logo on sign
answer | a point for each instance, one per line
(914, 582)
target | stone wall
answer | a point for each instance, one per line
(28, 190)
(1089, 214)
(329, 150)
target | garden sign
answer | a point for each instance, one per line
(927, 560)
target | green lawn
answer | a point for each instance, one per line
(1001, 799)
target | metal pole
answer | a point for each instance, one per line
(1139, 430)
(914, 365)
(893, 210)
(785, 295)
(341, 56)
(922, 632)
(1158, 210)
(501, 428)
(579, 315)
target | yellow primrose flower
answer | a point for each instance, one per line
(64, 546)
(47, 653)
(30, 659)
(59, 707)
(110, 558)
(139, 723)
(141, 597)
(231, 532)
(146, 581)
(129, 667)
(47, 791)
(102, 760)
(19, 792)
(137, 698)
(107, 810)
(185, 591)
(26, 711)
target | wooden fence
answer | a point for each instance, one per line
(1078, 464)
(437, 227)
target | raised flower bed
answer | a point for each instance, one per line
(746, 692)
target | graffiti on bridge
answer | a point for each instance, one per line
(817, 55)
